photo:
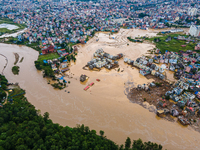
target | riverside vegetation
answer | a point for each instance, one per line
(22, 127)
(15, 70)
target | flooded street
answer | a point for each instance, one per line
(104, 106)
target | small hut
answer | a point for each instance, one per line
(83, 78)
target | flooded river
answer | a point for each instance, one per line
(104, 106)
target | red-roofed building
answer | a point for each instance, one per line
(65, 54)
(185, 54)
(47, 50)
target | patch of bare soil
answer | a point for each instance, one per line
(153, 95)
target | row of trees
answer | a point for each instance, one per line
(48, 72)
(3, 84)
(134, 40)
(23, 128)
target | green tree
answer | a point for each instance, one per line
(127, 143)
(48, 72)
(121, 147)
(141, 15)
(137, 144)
(38, 65)
(101, 133)
(46, 116)
(2, 93)
(4, 87)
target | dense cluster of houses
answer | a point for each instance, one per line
(185, 63)
(185, 91)
(58, 64)
(147, 66)
(72, 21)
(103, 59)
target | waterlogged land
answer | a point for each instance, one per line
(105, 105)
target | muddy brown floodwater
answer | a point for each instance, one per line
(105, 105)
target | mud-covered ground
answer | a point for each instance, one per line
(150, 100)
(153, 95)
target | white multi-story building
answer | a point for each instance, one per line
(194, 30)
(192, 11)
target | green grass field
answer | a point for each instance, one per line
(173, 45)
(48, 56)
(4, 30)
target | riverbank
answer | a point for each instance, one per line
(104, 106)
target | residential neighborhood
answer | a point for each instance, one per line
(75, 21)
